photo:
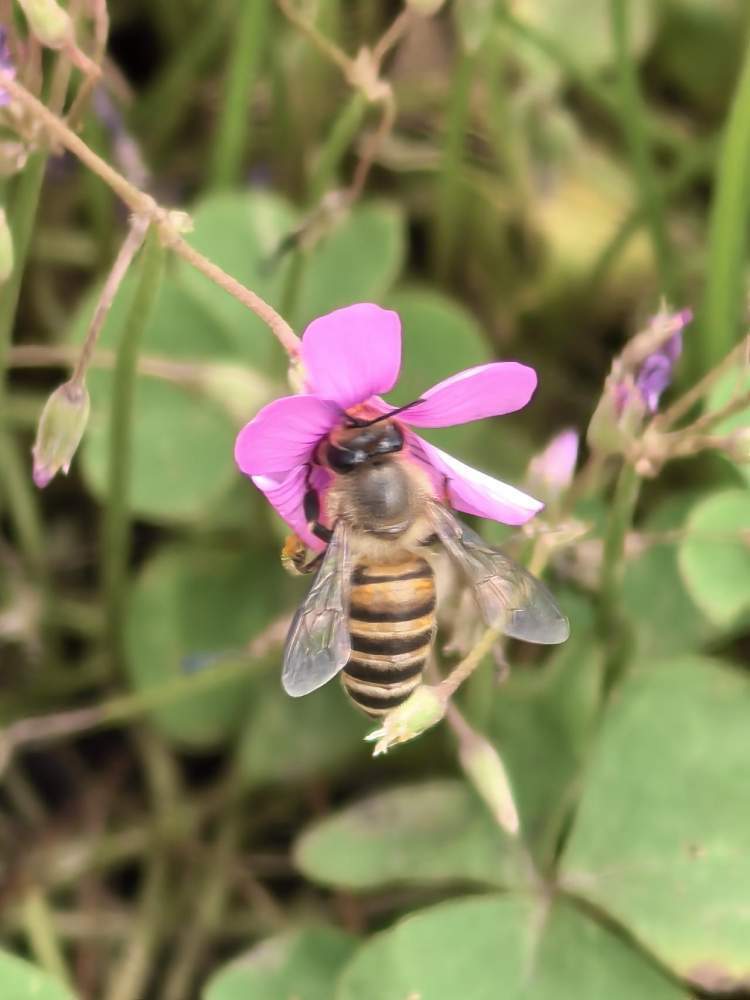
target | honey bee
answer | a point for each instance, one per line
(370, 613)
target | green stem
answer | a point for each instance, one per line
(130, 974)
(165, 100)
(694, 164)
(22, 504)
(659, 129)
(338, 140)
(619, 523)
(18, 491)
(211, 899)
(40, 929)
(633, 118)
(117, 511)
(450, 188)
(723, 305)
(249, 45)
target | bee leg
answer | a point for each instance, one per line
(294, 552)
(294, 557)
(311, 508)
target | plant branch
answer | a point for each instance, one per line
(133, 240)
(169, 224)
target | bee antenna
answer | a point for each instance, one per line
(387, 416)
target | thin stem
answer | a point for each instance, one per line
(21, 216)
(129, 976)
(632, 117)
(694, 164)
(40, 929)
(619, 524)
(22, 503)
(725, 282)
(699, 390)
(338, 140)
(117, 513)
(18, 491)
(279, 326)
(212, 898)
(658, 130)
(372, 146)
(469, 664)
(249, 44)
(449, 187)
(143, 204)
(327, 48)
(128, 250)
(122, 708)
(393, 34)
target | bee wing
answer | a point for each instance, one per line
(318, 643)
(509, 597)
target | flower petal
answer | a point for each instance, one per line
(284, 434)
(286, 491)
(475, 492)
(352, 353)
(484, 391)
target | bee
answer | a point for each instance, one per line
(370, 613)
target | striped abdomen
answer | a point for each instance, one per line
(392, 624)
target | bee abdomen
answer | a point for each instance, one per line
(392, 625)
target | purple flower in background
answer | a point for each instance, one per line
(6, 63)
(350, 356)
(655, 374)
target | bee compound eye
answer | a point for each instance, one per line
(341, 459)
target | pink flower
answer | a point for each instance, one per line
(350, 356)
(551, 471)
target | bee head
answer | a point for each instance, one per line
(357, 441)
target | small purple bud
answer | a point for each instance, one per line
(59, 432)
(655, 374)
(6, 63)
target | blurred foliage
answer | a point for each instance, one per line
(173, 826)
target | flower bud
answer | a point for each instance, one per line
(6, 63)
(60, 430)
(618, 416)
(550, 473)
(486, 771)
(6, 249)
(49, 22)
(421, 710)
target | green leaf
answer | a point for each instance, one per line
(661, 837)
(542, 721)
(20, 980)
(357, 261)
(714, 557)
(191, 601)
(653, 591)
(241, 233)
(437, 831)
(288, 739)
(514, 947)
(183, 440)
(302, 964)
